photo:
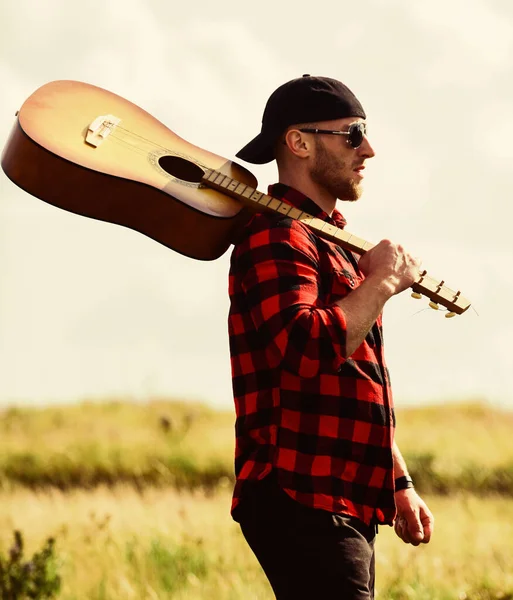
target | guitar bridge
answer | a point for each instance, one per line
(100, 128)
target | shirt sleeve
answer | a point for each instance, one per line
(281, 278)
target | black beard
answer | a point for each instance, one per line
(326, 173)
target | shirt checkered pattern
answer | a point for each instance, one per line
(323, 423)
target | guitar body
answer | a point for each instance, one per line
(130, 177)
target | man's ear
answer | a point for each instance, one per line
(297, 143)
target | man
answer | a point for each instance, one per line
(316, 463)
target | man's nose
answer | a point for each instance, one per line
(366, 149)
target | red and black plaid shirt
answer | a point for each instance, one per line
(323, 423)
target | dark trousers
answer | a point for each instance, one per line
(306, 553)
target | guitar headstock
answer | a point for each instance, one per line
(439, 294)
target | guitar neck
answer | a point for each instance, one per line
(432, 288)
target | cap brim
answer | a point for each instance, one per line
(259, 151)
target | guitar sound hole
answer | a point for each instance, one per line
(181, 168)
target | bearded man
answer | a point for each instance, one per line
(316, 463)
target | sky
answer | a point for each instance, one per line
(91, 310)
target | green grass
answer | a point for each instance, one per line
(173, 567)
(455, 447)
(91, 444)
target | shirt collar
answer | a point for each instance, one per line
(299, 200)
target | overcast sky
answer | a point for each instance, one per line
(90, 309)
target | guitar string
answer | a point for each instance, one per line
(157, 145)
(142, 152)
(78, 115)
(128, 145)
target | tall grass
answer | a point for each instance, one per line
(137, 497)
(119, 544)
(159, 443)
(464, 447)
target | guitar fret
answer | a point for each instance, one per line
(294, 212)
(306, 218)
(329, 229)
(274, 204)
(342, 235)
(264, 200)
(226, 182)
(317, 223)
(248, 192)
(284, 208)
(240, 188)
(220, 177)
(356, 241)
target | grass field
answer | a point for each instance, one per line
(454, 447)
(120, 544)
(161, 528)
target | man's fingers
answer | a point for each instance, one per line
(409, 529)
(401, 529)
(428, 523)
(415, 529)
(416, 535)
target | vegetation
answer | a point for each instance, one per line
(137, 497)
(119, 543)
(465, 447)
(36, 578)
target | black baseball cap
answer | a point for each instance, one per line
(306, 99)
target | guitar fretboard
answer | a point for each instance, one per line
(434, 289)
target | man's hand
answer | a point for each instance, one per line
(414, 522)
(391, 264)
(388, 270)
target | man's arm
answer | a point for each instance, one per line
(400, 468)
(279, 266)
(414, 522)
(389, 270)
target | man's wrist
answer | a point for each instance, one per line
(404, 482)
(384, 287)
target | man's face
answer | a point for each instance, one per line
(336, 166)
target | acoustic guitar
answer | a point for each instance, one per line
(91, 152)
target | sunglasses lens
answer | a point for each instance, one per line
(356, 133)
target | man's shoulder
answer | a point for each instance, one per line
(271, 228)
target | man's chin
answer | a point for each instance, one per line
(350, 195)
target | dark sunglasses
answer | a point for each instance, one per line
(355, 133)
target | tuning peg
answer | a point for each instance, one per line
(450, 315)
(434, 305)
(416, 295)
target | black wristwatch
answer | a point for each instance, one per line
(403, 483)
